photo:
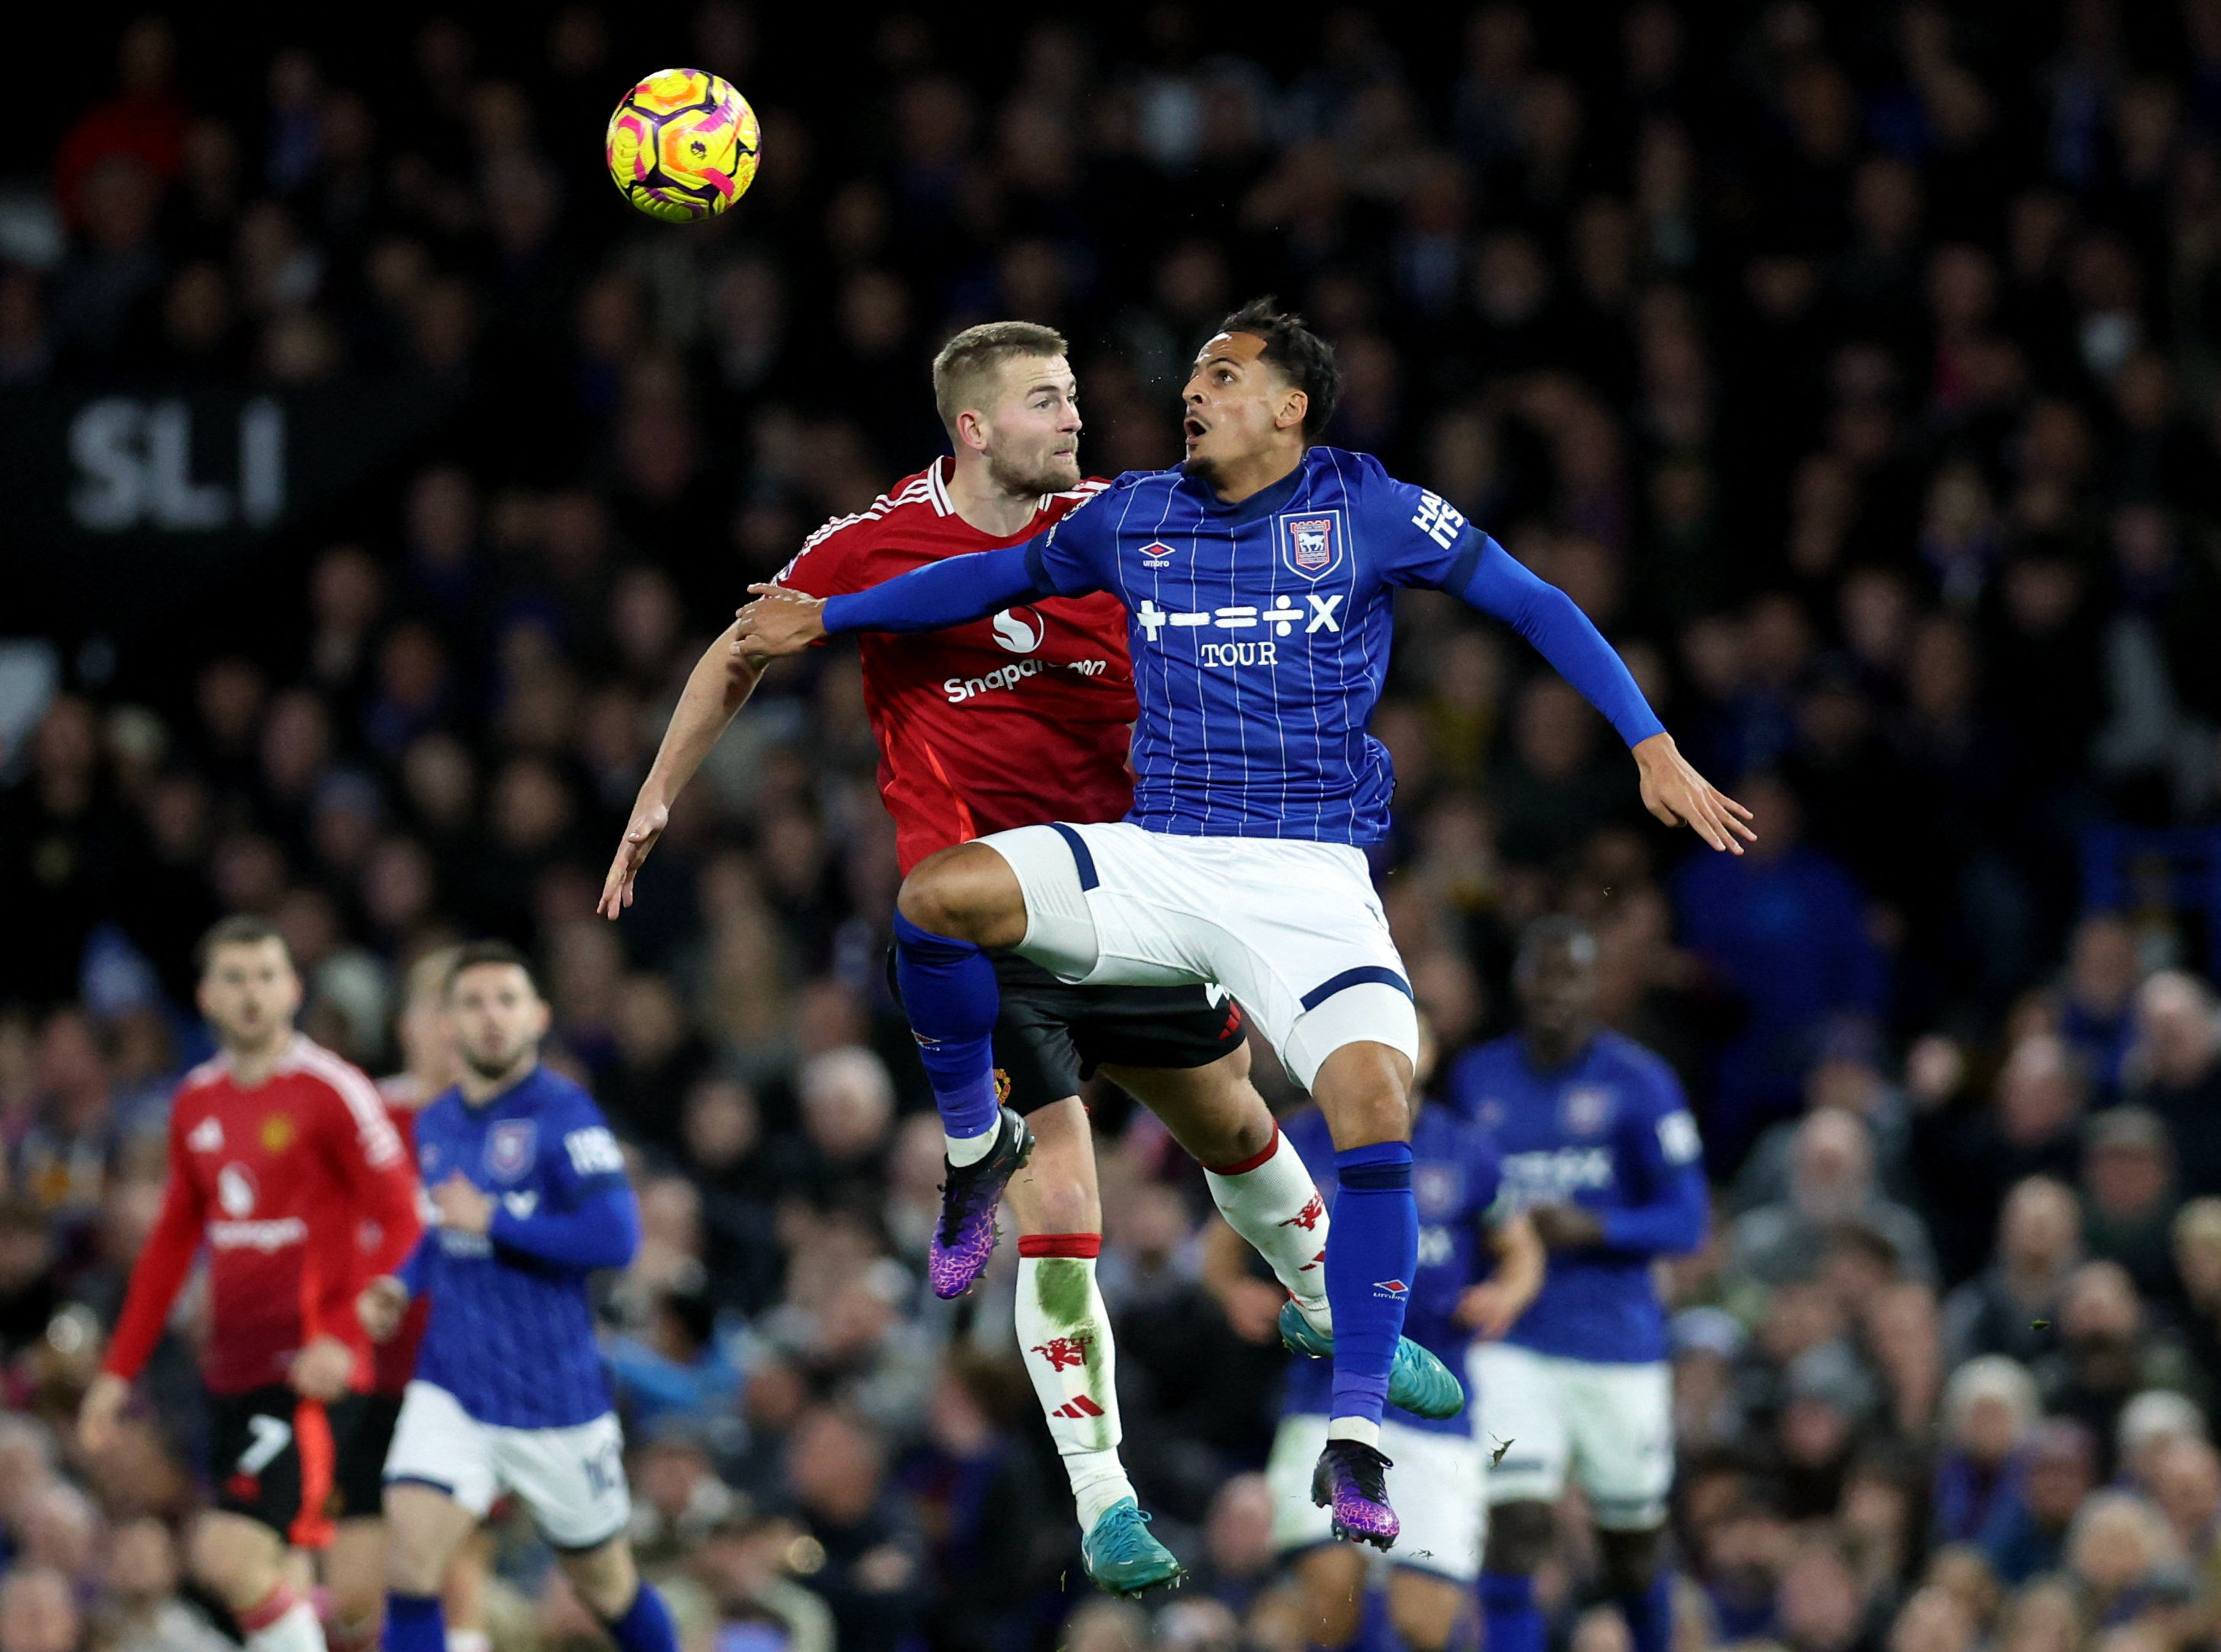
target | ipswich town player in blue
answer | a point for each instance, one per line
(509, 1393)
(1479, 1268)
(1257, 580)
(1601, 1154)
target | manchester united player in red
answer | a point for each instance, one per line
(1014, 720)
(281, 1159)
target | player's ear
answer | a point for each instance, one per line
(971, 431)
(1294, 407)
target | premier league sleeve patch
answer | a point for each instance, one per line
(1312, 542)
(510, 1147)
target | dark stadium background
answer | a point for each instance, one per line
(1934, 581)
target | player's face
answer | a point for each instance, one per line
(1558, 987)
(1237, 404)
(499, 1020)
(428, 1039)
(249, 993)
(1032, 431)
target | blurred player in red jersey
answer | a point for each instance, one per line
(355, 1564)
(1014, 720)
(282, 1159)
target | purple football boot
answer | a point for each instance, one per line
(1351, 1482)
(964, 1238)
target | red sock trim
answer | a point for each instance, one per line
(275, 1605)
(1087, 1246)
(1255, 1159)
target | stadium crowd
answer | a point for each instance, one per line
(1857, 368)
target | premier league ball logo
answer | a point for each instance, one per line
(1311, 543)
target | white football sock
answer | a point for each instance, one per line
(1064, 1334)
(970, 1149)
(1362, 1430)
(283, 1622)
(469, 1640)
(1271, 1201)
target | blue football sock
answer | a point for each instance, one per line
(1507, 1607)
(646, 1625)
(1372, 1251)
(1376, 1627)
(413, 1624)
(950, 995)
(1650, 1614)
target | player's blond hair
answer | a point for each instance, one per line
(965, 372)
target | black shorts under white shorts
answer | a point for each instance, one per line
(282, 1460)
(1051, 1035)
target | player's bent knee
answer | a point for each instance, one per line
(1520, 1536)
(604, 1576)
(1332, 1577)
(239, 1558)
(1630, 1558)
(1424, 1608)
(968, 892)
(1364, 1089)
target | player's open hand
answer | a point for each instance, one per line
(381, 1304)
(323, 1369)
(105, 1399)
(462, 1208)
(1678, 795)
(780, 621)
(1489, 1309)
(641, 832)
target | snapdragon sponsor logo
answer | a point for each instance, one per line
(960, 689)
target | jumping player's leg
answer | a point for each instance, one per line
(354, 1581)
(953, 905)
(613, 1590)
(243, 1562)
(425, 1527)
(1257, 1179)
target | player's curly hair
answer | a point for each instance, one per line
(1305, 359)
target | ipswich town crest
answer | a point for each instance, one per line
(1311, 542)
(509, 1148)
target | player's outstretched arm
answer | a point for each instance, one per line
(1498, 584)
(720, 683)
(940, 594)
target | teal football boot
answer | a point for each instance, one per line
(1418, 1382)
(1120, 1556)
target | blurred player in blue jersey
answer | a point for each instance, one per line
(1258, 581)
(510, 1393)
(1601, 1154)
(1476, 1274)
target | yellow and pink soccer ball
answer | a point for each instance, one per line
(682, 146)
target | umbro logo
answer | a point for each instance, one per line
(1391, 1288)
(1156, 554)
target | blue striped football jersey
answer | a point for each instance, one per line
(1260, 634)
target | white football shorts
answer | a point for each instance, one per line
(572, 1480)
(1610, 1426)
(1291, 927)
(1437, 1484)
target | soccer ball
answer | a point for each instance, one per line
(682, 146)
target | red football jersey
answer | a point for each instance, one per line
(1010, 720)
(395, 1359)
(281, 1182)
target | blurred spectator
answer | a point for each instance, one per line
(2128, 1175)
(1832, 1190)
(2175, 1069)
(1785, 926)
(873, 1574)
(2010, 1307)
